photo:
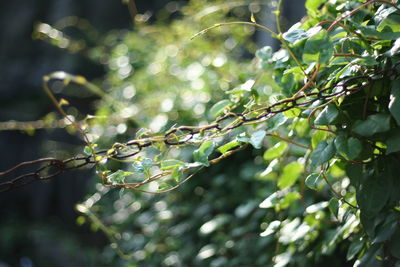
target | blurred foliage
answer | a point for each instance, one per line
(320, 190)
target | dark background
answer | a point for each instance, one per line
(38, 221)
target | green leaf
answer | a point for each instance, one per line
(147, 163)
(349, 148)
(371, 257)
(201, 154)
(376, 123)
(277, 150)
(394, 104)
(385, 231)
(317, 137)
(395, 245)
(272, 228)
(138, 167)
(323, 153)
(318, 48)
(270, 201)
(164, 186)
(313, 180)
(171, 164)
(264, 53)
(177, 173)
(118, 177)
(312, 6)
(374, 193)
(293, 36)
(228, 146)
(290, 174)
(393, 141)
(257, 138)
(219, 107)
(355, 173)
(327, 115)
(292, 113)
(354, 249)
(88, 150)
(334, 206)
(275, 122)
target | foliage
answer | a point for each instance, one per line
(318, 122)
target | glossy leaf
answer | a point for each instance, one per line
(322, 153)
(387, 229)
(293, 36)
(313, 180)
(201, 154)
(327, 115)
(257, 138)
(394, 104)
(349, 148)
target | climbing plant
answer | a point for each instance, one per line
(307, 137)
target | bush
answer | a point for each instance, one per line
(317, 124)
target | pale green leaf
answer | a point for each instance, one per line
(276, 151)
(257, 138)
(290, 174)
(218, 108)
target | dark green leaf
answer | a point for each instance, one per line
(349, 148)
(354, 249)
(327, 115)
(370, 257)
(313, 180)
(376, 123)
(394, 104)
(395, 245)
(354, 172)
(323, 153)
(318, 47)
(374, 194)
(334, 206)
(393, 141)
(387, 229)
